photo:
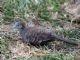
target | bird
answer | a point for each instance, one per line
(37, 35)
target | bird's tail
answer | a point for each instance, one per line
(64, 40)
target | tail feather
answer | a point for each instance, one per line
(65, 40)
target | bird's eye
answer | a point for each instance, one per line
(17, 25)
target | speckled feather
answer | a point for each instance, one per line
(38, 35)
(35, 35)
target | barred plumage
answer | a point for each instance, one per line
(37, 35)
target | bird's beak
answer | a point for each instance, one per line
(14, 27)
(13, 24)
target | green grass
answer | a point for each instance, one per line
(20, 8)
(3, 46)
(54, 56)
(72, 34)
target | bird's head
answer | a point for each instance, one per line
(19, 24)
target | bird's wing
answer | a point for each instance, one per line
(35, 35)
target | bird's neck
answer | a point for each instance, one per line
(23, 30)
